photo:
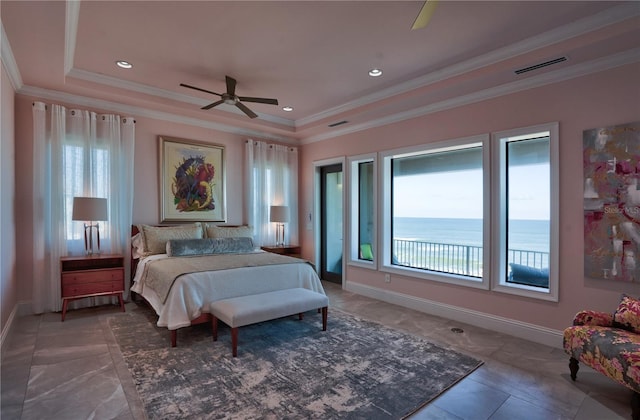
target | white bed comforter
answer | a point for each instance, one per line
(191, 294)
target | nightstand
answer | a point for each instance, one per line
(91, 275)
(290, 250)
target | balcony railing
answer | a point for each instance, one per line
(465, 260)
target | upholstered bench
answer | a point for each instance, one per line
(251, 309)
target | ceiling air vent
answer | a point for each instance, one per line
(541, 65)
(335, 124)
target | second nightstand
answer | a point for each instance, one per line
(290, 250)
(95, 275)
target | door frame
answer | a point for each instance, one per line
(317, 191)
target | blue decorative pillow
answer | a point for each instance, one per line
(191, 247)
(529, 275)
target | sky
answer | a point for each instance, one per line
(459, 194)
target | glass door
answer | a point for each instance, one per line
(331, 223)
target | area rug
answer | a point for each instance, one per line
(285, 369)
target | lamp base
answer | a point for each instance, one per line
(280, 234)
(88, 240)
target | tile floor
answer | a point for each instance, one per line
(74, 370)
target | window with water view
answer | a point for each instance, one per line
(528, 209)
(478, 211)
(438, 210)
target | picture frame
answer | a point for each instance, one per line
(192, 181)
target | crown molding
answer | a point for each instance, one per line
(579, 27)
(9, 61)
(72, 15)
(583, 69)
(137, 112)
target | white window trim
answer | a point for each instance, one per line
(498, 217)
(385, 236)
(353, 247)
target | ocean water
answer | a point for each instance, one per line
(524, 234)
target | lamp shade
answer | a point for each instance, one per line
(89, 209)
(279, 214)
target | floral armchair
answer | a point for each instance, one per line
(610, 344)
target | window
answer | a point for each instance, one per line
(525, 207)
(434, 211)
(362, 170)
(272, 179)
(85, 173)
(475, 212)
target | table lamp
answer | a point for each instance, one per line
(90, 210)
(279, 215)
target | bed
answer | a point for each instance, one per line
(180, 270)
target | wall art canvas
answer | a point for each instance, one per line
(192, 181)
(612, 202)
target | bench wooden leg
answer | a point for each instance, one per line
(234, 341)
(324, 318)
(174, 338)
(214, 327)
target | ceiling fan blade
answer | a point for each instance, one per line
(259, 100)
(246, 110)
(213, 104)
(197, 88)
(231, 85)
(425, 14)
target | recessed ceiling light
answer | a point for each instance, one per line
(124, 64)
(375, 72)
(287, 108)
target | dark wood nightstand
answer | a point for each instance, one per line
(290, 250)
(91, 275)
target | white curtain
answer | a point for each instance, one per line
(78, 153)
(272, 180)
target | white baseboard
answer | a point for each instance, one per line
(7, 327)
(531, 332)
(20, 309)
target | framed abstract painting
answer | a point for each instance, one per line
(192, 181)
(611, 158)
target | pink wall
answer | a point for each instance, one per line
(8, 279)
(602, 99)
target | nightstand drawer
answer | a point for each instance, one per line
(92, 276)
(81, 289)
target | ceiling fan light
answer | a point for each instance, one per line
(287, 108)
(375, 72)
(124, 64)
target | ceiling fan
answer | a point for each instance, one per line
(230, 98)
(425, 14)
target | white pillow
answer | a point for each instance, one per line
(214, 231)
(155, 237)
(137, 243)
